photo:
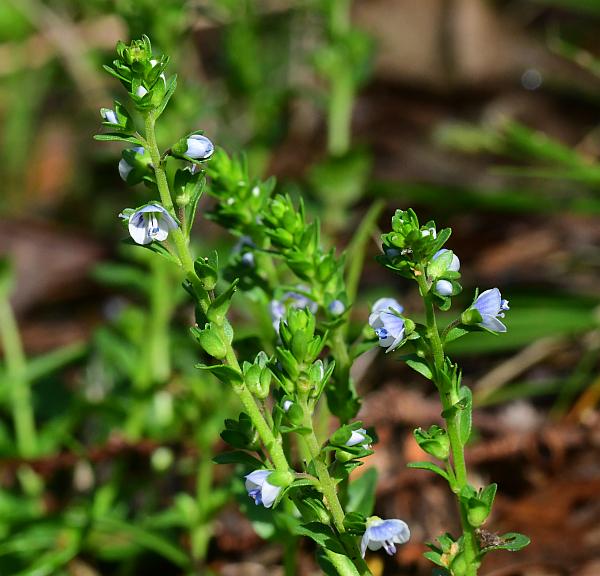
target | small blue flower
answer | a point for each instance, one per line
(259, 488)
(199, 147)
(358, 436)
(148, 223)
(336, 308)
(287, 404)
(290, 299)
(491, 306)
(109, 115)
(454, 265)
(443, 287)
(386, 533)
(248, 259)
(388, 326)
(125, 167)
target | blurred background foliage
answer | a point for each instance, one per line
(480, 114)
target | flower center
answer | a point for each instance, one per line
(153, 227)
(256, 496)
(382, 333)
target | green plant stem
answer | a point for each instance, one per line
(341, 97)
(339, 114)
(160, 315)
(449, 398)
(181, 245)
(16, 369)
(202, 531)
(327, 485)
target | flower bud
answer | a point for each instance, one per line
(444, 287)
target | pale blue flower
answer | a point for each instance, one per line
(259, 488)
(109, 115)
(454, 265)
(125, 167)
(248, 259)
(443, 287)
(149, 223)
(384, 533)
(290, 299)
(337, 308)
(287, 404)
(141, 92)
(358, 436)
(388, 326)
(199, 147)
(491, 306)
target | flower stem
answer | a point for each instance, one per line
(16, 368)
(341, 97)
(449, 398)
(204, 299)
(328, 489)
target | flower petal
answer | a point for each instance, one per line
(256, 479)
(138, 229)
(492, 323)
(364, 543)
(488, 302)
(269, 493)
(384, 304)
(393, 324)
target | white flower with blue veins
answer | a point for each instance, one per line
(491, 306)
(149, 223)
(384, 533)
(260, 490)
(199, 147)
(388, 326)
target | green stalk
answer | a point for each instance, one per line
(160, 315)
(202, 531)
(341, 101)
(16, 369)
(341, 97)
(327, 485)
(449, 398)
(204, 299)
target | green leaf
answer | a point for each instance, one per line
(116, 137)
(322, 535)
(465, 414)
(217, 310)
(170, 90)
(54, 360)
(512, 541)
(455, 334)
(419, 365)
(157, 248)
(434, 557)
(225, 374)
(238, 457)
(361, 493)
(429, 466)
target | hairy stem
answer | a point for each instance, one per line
(327, 485)
(449, 398)
(204, 299)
